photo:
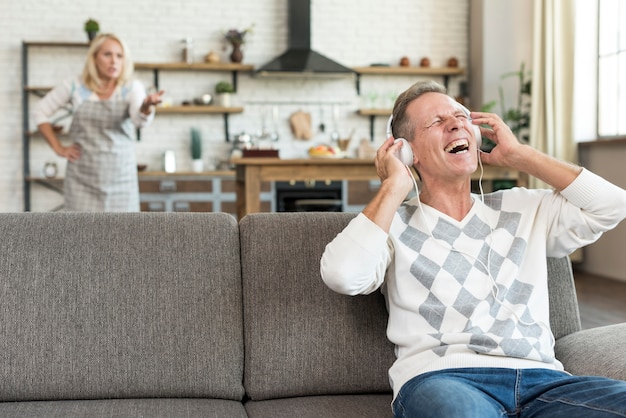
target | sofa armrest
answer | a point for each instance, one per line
(597, 351)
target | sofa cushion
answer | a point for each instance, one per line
(153, 408)
(594, 352)
(338, 406)
(302, 338)
(126, 305)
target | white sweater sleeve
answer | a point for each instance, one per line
(356, 260)
(56, 98)
(592, 206)
(135, 98)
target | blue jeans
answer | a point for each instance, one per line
(492, 392)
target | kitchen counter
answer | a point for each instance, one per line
(147, 175)
(250, 172)
(150, 175)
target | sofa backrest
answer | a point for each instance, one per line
(120, 305)
(302, 338)
(564, 314)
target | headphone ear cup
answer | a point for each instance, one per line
(406, 153)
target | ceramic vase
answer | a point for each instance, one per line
(197, 165)
(237, 54)
(224, 99)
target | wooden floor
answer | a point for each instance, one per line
(601, 301)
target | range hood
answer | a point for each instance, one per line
(300, 59)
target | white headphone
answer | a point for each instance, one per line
(406, 153)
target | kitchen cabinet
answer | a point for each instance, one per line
(212, 191)
(444, 73)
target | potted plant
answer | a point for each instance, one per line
(224, 90)
(518, 117)
(92, 27)
(196, 151)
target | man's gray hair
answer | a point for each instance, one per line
(401, 125)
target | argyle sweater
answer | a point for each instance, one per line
(471, 293)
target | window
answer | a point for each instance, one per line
(612, 68)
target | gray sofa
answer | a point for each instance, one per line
(170, 314)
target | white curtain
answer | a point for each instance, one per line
(552, 109)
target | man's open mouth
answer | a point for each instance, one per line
(457, 147)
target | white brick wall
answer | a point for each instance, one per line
(356, 33)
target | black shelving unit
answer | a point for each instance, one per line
(27, 91)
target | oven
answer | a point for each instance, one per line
(309, 196)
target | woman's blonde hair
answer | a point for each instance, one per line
(90, 75)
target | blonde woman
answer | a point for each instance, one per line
(107, 106)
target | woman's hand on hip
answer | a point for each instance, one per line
(71, 153)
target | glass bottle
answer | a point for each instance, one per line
(187, 50)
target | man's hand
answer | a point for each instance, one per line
(509, 152)
(396, 183)
(507, 144)
(389, 166)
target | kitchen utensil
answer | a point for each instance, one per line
(301, 125)
(344, 141)
(334, 135)
(274, 135)
(205, 99)
(242, 141)
(265, 134)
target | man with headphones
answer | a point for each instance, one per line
(465, 275)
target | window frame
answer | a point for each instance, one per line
(610, 60)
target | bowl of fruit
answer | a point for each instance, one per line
(324, 151)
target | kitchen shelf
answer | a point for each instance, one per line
(195, 110)
(156, 67)
(444, 72)
(234, 68)
(382, 70)
(199, 109)
(372, 113)
(199, 66)
(37, 90)
(56, 44)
